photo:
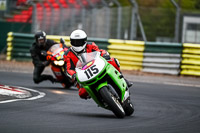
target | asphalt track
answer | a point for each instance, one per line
(159, 108)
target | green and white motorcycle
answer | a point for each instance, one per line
(104, 84)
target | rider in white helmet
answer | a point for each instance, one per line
(78, 40)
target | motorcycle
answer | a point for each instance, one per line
(55, 55)
(105, 84)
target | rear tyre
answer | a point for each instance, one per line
(112, 102)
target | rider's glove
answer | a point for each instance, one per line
(45, 63)
(43, 53)
(62, 41)
(74, 78)
(106, 56)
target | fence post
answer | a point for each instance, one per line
(139, 20)
(178, 9)
(83, 12)
(133, 31)
(107, 14)
(34, 19)
(119, 17)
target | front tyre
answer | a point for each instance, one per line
(128, 107)
(112, 102)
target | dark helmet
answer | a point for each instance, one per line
(40, 38)
(78, 39)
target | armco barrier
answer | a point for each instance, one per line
(102, 43)
(156, 57)
(18, 44)
(190, 64)
(129, 53)
(162, 57)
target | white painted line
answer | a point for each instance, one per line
(167, 83)
(41, 94)
(14, 91)
(181, 84)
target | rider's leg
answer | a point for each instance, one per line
(82, 92)
(39, 77)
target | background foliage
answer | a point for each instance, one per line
(158, 16)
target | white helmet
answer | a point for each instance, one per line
(78, 39)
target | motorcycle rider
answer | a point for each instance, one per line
(78, 40)
(38, 50)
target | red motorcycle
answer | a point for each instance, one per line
(55, 55)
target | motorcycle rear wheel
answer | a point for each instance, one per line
(112, 102)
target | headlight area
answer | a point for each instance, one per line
(59, 63)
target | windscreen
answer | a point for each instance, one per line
(86, 58)
(55, 49)
(56, 52)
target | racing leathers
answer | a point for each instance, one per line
(72, 58)
(39, 61)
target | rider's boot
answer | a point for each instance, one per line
(83, 93)
(129, 84)
(53, 80)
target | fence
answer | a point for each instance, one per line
(167, 58)
(97, 19)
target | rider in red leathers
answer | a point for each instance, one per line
(78, 40)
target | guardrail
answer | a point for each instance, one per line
(155, 57)
(129, 53)
(190, 64)
(162, 57)
(18, 44)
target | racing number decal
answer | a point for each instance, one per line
(90, 71)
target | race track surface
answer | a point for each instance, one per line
(159, 108)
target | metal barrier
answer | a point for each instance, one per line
(148, 57)
(166, 58)
(18, 44)
(190, 64)
(102, 43)
(162, 57)
(129, 53)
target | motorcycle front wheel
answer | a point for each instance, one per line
(112, 102)
(128, 107)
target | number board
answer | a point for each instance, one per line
(92, 71)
